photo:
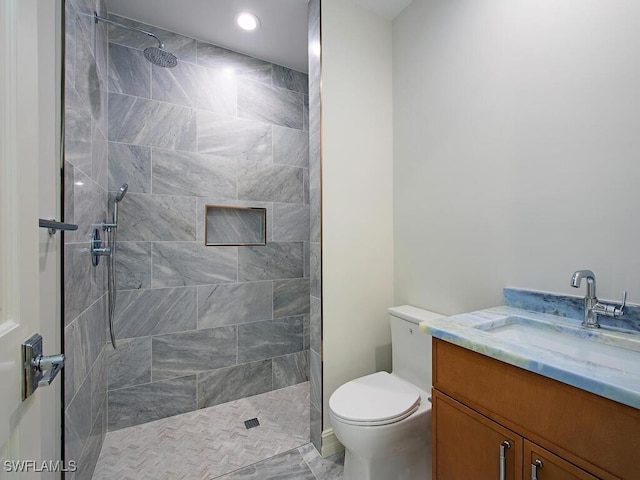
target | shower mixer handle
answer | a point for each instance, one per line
(97, 248)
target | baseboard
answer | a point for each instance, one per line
(330, 443)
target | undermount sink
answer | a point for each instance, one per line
(598, 347)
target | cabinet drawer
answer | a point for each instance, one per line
(595, 433)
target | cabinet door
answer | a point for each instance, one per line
(540, 464)
(467, 445)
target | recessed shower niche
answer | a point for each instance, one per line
(230, 225)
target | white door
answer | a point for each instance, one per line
(30, 432)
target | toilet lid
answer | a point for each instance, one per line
(377, 399)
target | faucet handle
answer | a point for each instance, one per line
(618, 311)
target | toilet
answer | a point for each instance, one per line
(384, 419)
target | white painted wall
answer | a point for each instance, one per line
(516, 149)
(357, 150)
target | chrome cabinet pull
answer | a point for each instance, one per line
(503, 459)
(534, 469)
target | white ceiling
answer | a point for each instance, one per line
(281, 39)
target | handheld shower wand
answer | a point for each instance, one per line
(111, 264)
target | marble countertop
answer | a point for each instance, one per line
(619, 385)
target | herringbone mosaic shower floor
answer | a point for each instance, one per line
(210, 442)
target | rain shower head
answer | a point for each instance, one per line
(160, 57)
(156, 55)
(121, 193)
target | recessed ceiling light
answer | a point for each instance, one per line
(247, 21)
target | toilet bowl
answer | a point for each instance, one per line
(384, 419)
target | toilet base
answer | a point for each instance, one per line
(412, 466)
(398, 451)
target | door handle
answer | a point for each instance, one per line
(38, 370)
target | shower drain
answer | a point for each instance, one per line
(252, 422)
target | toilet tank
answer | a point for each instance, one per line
(411, 348)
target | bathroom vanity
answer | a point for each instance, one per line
(504, 408)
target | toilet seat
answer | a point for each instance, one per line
(376, 399)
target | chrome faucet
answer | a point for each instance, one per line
(592, 307)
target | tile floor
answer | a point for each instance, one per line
(214, 443)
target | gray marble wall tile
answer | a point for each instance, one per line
(190, 263)
(314, 214)
(261, 340)
(290, 297)
(156, 217)
(140, 313)
(305, 181)
(81, 280)
(307, 331)
(133, 265)
(182, 47)
(98, 383)
(231, 304)
(234, 137)
(90, 334)
(91, 452)
(315, 420)
(269, 262)
(129, 71)
(235, 226)
(129, 164)
(316, 271)
(77, 131)
(89, 206)
(316, 325)
(145, 403)
(69, 199)
(130, 363)
(146, 122)
(71, 370)
(192, 352)
(99, 158)
(69, 43)
(183, 173)
(286, 466)
(290, 223)
(290, 79)
(237, 63)
(270, 183)
(311, 120)
(88, 83)
(305, 113)
(196, 86)
(315, 387)
(290, 147)
(266, 103)
(307, 259)
(231, 383)
(290, 369)
(77, 421)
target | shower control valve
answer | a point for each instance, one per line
(97, 248)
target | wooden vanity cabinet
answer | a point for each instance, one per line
(479, 402)
(468, 445)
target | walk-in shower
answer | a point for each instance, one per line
(156, 55)
(197, 326)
